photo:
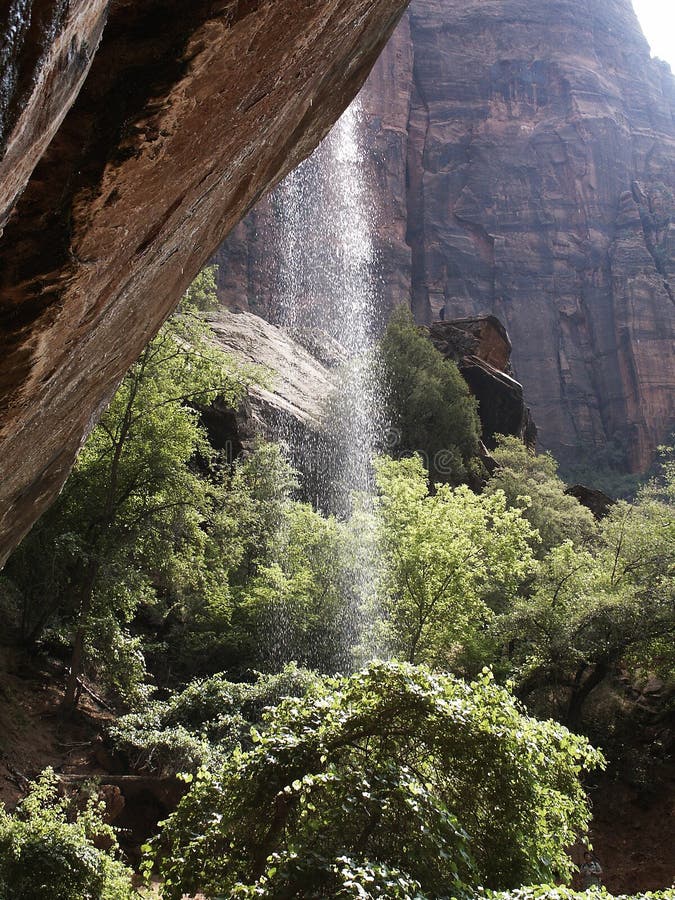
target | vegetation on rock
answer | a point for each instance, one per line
(431, 410)
(166, 569)
(392, 770)
(51, 847)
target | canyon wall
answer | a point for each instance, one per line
(133, 135)
(521, 157)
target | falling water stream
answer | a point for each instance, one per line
(327, 286)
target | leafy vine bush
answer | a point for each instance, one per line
(49, 850)
(201, 725)
(394, 780)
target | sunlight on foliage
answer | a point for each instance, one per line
(49, 848)
(395, 768)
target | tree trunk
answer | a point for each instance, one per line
(72, 694)
(581, 690)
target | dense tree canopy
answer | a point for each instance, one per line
(530, 480)
(590, 610)
(164, 567)
(431, 410)
(446, 556)
(51, 848)
(136, 521)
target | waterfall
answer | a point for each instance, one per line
(327, 285)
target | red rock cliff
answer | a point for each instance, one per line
(124, 163)
(523, 161)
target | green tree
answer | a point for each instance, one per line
(430, 407)
(136, 521)
(531, 482)
(558, 892)
(393, 776)
(591, 610)
(300, 607)
(50, 849)
(450, 558)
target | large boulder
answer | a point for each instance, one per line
(288, 403)
(481, 348)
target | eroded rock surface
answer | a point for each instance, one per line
(188, 113)
(523, 162)
(46, 48)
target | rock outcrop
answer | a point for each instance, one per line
(597, 501)
(294, 385)
(300, 373)
(522, 158)
(127, 161)
(482, 350)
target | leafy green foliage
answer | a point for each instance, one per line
(50, 851)
(136, 522)
(300, 606)
(449, 559)
(590, 610)
(214, 631)
(392, 773)
(531, 481)
(559, 892)
(431, 408)
(201, 725)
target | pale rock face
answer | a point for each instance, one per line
(293, 382)
(138, 154)
(523, 163)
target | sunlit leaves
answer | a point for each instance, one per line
(451, 558)
(392, 773)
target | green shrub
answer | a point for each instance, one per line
(431, 409)
(49, 850)
(201, 725)
(391, 772)
(557, 892)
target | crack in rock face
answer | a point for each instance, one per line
(140, 152)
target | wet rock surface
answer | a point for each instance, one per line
(295, 384)
(187, 114)
(522, 163)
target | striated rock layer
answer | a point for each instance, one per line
(187, 114)
(522, 157)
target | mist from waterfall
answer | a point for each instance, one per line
(328, 292)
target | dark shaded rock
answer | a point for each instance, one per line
(597, 501)
(188, 114)
(500, 402)
(46, 49)
(482, 350)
